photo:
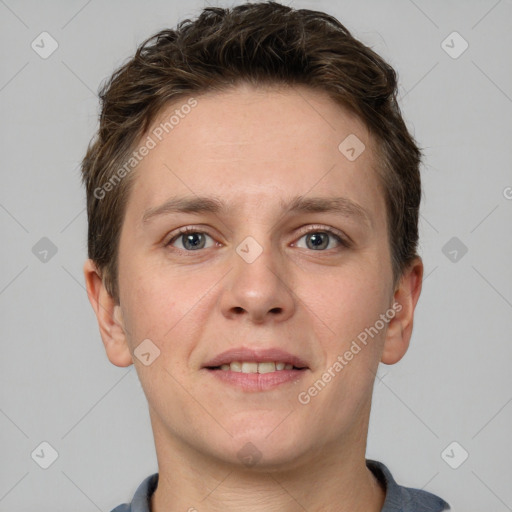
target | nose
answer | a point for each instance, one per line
(261, 289)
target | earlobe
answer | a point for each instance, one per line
(109, 315)
(405, 298)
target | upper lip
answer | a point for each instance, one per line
(244, 354)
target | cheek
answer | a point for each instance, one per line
(167, 305)
(351, 334)
(346, 301)
(153, 311)
(351, 348)
(163, 309)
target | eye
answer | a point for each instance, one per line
(319, 238)
(191, 239)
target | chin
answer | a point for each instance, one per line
(265, 446)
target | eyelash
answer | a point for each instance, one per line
(312, 229)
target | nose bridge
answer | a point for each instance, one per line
(257, 263)
(258, 282)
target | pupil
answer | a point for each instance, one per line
(190, 240)
(320, 240)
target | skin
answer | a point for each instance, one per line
(254, 148)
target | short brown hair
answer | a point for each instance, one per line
(261, 44)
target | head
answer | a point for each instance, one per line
(262, 108)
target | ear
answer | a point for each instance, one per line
(405, 298)
(109, 316)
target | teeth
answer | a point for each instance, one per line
(249, 367)
(252, 367)
(266, 367)
(235, 366)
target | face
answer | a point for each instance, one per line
(285, 263)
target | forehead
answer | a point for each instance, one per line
(250, 145)
(247, 115)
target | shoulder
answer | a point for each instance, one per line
(405, 499)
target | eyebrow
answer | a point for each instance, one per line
(300, 204)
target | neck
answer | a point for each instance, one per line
(334, 478)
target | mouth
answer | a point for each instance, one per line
(255, 367)
(256, 370)
(253, 360)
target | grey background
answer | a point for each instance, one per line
(56, 384)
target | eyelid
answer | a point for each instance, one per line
(345, 240)
(310, 228)
(183, 231)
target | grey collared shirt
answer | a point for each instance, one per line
(398, 498)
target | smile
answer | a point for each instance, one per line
(255, 367)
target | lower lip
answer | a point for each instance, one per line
(258, 381)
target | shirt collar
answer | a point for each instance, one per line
(404, 499)
(142, 498)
